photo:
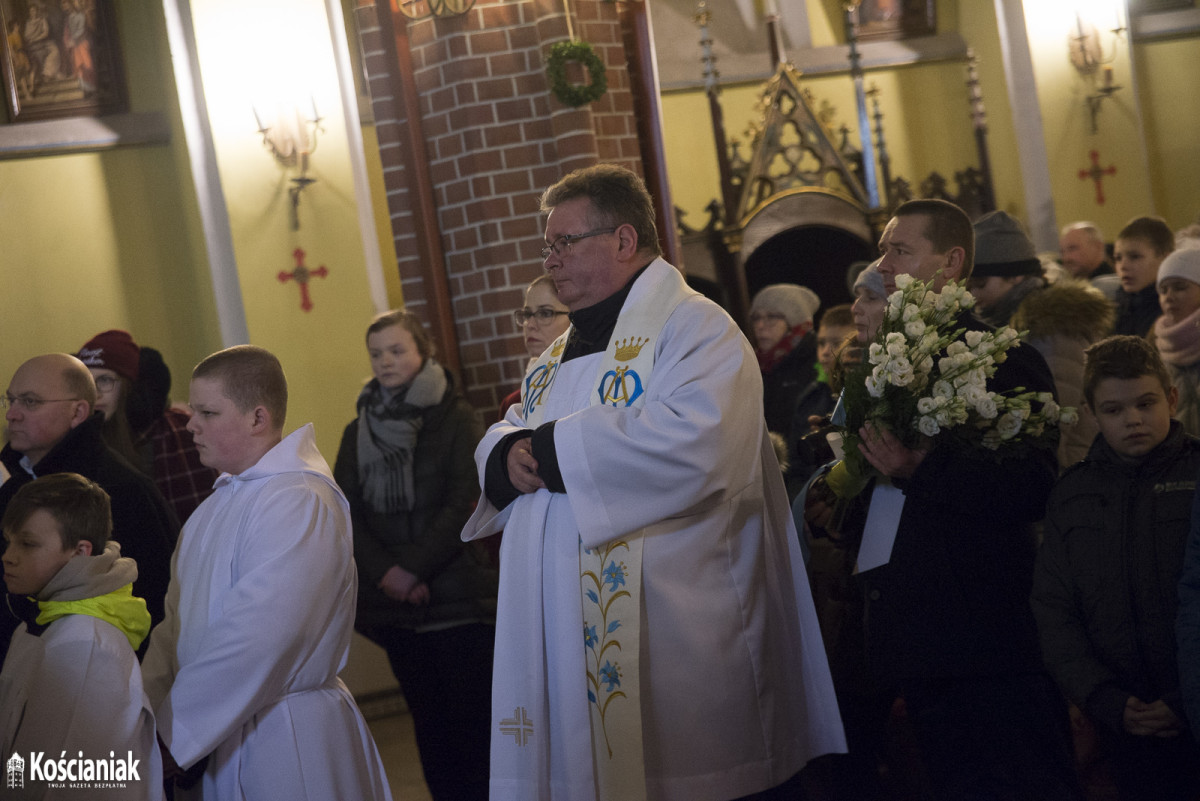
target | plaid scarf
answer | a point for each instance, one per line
(387, 432)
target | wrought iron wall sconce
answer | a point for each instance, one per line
(292, 140)
(424, 9)
(1088, 57)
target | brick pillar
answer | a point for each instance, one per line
(495, 137)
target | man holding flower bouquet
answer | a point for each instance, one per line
(960, 420)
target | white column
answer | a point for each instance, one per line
(202, 155)
(1027, 120)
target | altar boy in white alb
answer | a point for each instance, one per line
(656, 636)
(243, 669)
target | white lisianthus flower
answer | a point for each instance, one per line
(928, 426)
(875, 385)
(986, 407)
(973, 338)
(957, 348)
(876, 354)
(914, 329)
(911, 312)
(903, 280)
(1067, 416)
(900, 373)
(1005, 336)
(926, 405)
(925, 366)
(972, 393)
(943, 389)
(943, 417)
(958, 414)
(1008, 426)
(1050, 411)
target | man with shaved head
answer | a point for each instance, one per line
(53, 428)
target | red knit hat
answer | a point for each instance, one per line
(113, 350)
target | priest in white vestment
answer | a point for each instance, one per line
(656, 636)
(243, 669)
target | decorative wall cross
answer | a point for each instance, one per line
(1096, 173)
(301, 275)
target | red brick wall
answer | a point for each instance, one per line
(495, 137)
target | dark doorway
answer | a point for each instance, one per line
(815, 256)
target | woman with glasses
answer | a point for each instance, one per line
(132, 389)
(406, 464)
(541, 320)
(781, 320)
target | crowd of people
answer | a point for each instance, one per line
(614, 591)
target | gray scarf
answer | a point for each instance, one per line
(387, 432)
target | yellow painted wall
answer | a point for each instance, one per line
(112, 239)
(322, 350)
(925, 109)
(1062, 96)
(1171, 110)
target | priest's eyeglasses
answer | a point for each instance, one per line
(539, 317)
(29, 403)
(563, 242)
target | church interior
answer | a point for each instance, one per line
(278, 171)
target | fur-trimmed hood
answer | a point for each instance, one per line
(1066, 308)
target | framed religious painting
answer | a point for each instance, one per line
(880, 20)
(61, 59)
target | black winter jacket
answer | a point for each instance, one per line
(1105, 585)
(143, 522)
(786, 380)
(953, 601)
(425, 540)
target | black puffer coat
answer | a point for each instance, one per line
(425, 540)
(1104, 591)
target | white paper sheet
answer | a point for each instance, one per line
(879, 532)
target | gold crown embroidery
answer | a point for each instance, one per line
(628, 349)
(557, 349)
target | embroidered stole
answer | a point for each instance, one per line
(611, 574)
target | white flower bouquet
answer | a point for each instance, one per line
(924, 378)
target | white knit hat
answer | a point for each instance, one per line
(796, 303)
(1182, 263)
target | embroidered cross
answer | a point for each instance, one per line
(1096, 173)
(301, 276)
(519, 726)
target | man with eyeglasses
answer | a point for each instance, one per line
(655, 634)
(53, 428)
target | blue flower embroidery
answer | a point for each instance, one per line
(589, 636)
(610, 675)
(614, 576)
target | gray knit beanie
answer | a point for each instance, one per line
(872, 280)
(1002, 248)
(797, 304)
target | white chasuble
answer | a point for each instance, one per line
(733, 687)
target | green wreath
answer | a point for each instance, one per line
(570, 94)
